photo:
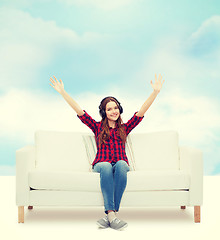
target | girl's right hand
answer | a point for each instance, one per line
(58, 86)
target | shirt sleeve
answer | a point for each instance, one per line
(89, 121)
(132, 123)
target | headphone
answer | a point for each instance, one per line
(102, 111)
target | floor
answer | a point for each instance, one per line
(145, 223)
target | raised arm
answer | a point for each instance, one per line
(156, 89)
(59, 87)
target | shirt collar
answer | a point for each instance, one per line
(116, 126)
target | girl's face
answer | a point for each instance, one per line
(112, 111)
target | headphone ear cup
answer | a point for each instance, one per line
(120, 109)
(103, 114)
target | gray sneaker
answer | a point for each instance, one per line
(118, 224)
(103, 222)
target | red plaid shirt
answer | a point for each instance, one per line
(114, 149)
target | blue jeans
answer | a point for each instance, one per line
(113, 180)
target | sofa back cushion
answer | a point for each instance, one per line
(60, 151)
(156, 151)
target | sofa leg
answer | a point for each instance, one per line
(197, 214)
(30, 207)
(21, 214)
(183, 207)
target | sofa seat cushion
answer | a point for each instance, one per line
(158, 180)
(90, 181)
(64, 180)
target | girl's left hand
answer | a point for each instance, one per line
(158, 84)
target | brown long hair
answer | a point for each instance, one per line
(105, 133)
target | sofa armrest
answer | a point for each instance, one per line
(191, 160)
(25, 161)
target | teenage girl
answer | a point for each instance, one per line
(110, 134)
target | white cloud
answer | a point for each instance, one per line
(209, 26)
(104, 5)
(205, 41)
(181, 69)
(6, 170)
(27, 44)
(191, 63)
(24, 112)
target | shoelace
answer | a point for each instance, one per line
(116, 220)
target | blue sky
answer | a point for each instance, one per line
(101, 48)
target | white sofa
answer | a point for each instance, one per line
(57, 171)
